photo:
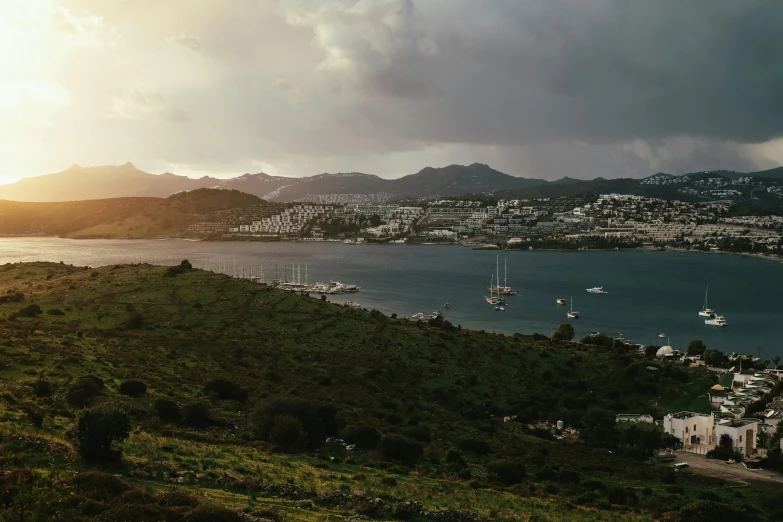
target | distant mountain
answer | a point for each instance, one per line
(86, 183)
(81, 183)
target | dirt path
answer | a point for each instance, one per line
(720, 469)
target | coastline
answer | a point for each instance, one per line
(778, 259)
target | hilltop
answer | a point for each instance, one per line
(130, 218)
(217, 378)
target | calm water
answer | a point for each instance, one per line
(648, 292)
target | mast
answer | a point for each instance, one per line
(505, 273)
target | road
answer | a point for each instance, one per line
(720, 469)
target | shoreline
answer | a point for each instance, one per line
(778, 259)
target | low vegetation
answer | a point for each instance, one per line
(288, 408)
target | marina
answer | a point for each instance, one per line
(651, 292)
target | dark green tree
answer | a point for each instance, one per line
(96, 431)
(696, 347)
(565, 332)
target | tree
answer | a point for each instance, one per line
(725, 441)
(96, 431)
(776, 360)
(696, 347)
(565, 332)
(600, 428)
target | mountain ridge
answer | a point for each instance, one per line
(78, 183)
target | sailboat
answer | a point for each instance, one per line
(571, 314)
(492, 299)
(505, 289)
(706, 312)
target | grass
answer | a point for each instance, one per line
(390, 374)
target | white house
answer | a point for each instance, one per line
(741, 431)
(691, 428)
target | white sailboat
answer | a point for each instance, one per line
(706, 312)
(505, 289)
(571, 314)
(492, 299)
(717, 321)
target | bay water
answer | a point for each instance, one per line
(648, 293)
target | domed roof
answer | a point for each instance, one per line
(717, 387)
(663, 351)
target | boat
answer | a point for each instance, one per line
(706, 312)
(717, 321)
(435, 315)
(447, 305)
(505, 289)
(571, 314)
(418, 317)
(352, 304)
(595, 334)
(492, 299)
(596, 290)
(428, 243)
(349, 242)
(662, 335)
(562, 300)
(500, 308)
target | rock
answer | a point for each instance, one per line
(304, 504)
(201, 476)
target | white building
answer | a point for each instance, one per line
(742, 433)
(691, 428)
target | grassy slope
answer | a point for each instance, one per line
(376, 367)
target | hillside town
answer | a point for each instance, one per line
(609, 220)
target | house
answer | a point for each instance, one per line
(691, 428)
(717, 395)
(742, 433)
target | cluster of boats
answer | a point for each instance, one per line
(713, 319)
(498, 294)
(295, 284)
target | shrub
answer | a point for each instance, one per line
(168, 411)
(400, 449)
(389, 481)
(135, 321)
(97, 429)
(619, 495)
(197, 414)
(478, 447)
(507, 472)
(55, 311)
(133, 388)
(84, 390)
(287, 432)
(709, 511)
(419, 433)
(99, 486)
(34, 413)
(565, 332)
(455, 457)
(32, 310)
(226, 390)
(43, 388)
(12, 297)
(318, 420)
(365, 437)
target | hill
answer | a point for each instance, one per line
(119, 217)
(175, 358)
(80, 183)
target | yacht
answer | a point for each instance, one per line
(500, 308)
(596, 290)
(707, 312)
(595, 334)
(571, 314)
(505, 289)
(447, 305)
(493, 299)
(562, 301)
(662, 335)
(418, 317)
(717, 321)
(435, 315)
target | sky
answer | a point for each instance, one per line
(534, 88)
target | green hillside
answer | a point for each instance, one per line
(229, 390)
(132, 218)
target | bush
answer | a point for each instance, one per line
(84, 390)
(226, 390)
(32, 310)
(43, 388)
(479, 447)
(400, 449)
(55, 311)
(168, 411)
(197, 415)
(565, 332)
(99, 486)
(318, 420)
(12, 297)
(389, 481)
(506, 472)
(419, 433)
(97, 430)
(134, 322)
(287, 432)
(34, 413)
(366, 437)
(133, 388)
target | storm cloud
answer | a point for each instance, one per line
(539, 88)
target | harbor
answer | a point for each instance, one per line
(646, 293)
